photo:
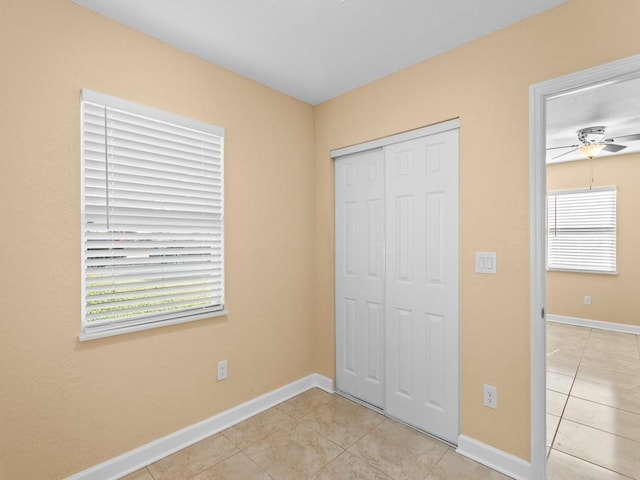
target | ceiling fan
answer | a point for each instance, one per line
(592, 142)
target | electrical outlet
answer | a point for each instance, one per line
(587, 300)
(222, 370)
(490, 396)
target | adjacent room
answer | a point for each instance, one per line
(593, 358)
(293, 239)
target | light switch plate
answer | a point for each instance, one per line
(486, 262)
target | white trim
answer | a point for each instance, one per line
(92, 335)
(140, 457)
(537, 229)
(538, 96)
(397, 138)
(586, 322)
(323, 383)
(498, 460)
(139, 109)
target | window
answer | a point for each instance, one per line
(581, 230)
(152, 217)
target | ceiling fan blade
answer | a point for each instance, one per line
(624, 138)
(564, 146)
(563, 154)
(612, 147)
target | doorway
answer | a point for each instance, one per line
(540, 94)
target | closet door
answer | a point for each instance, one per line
(359, 275)
(422, 283)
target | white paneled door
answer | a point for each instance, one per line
(360, 230)
(421, 290)
(397, 291)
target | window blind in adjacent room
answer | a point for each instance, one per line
(581, 230)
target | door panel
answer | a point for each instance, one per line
(421, 290)
(397, 280)
(360, 224)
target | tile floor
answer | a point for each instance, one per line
(317, 436)
(593, 404)
(593, 429)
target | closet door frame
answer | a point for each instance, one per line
(397, 138)
(394, 139)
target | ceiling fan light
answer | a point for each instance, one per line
(591, 150)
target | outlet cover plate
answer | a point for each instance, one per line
(222, 370)
(486, 262)
(490, 396)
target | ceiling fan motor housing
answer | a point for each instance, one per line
(591, 135)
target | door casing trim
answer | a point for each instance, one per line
(396, 138)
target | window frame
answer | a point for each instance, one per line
(556, 266)
(117, 327)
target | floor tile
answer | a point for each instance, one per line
(570, 331)
(399, 451)
(615, 338)
(601, 448)
(552, 426)
(564, 354)
(561, 466)
(306, 402)
(625, 349)
(237, 467)
(343, 421)
(610, 395)
(612, 363)
(142, 474)
(603, 417)
(295, 452)
(609, 377)
(555, 402)
(567, 346)
(455, 466)
(186, 463)
(258, 427)
(559, 383)
(602, 349)
(349, 467)
(563, 367)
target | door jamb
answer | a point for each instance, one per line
(538, 95)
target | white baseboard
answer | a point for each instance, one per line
(585, 322)
(503, 462)
(322, 382)
(142, 456)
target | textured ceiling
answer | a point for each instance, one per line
(615, 106)
(315, 50)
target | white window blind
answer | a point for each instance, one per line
(152, 217)
(581, 230)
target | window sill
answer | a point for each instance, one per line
(84, 336)
(569, 270)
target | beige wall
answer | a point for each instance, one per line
(614, 298)
(64, 405)
(486, 84)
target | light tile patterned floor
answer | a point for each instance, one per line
(593, 404)
(593, 429)
(317, 436)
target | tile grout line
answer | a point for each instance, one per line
(573, 381)
(604, 404)
(592, 463)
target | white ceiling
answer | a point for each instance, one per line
(615, 106)
(315, 50)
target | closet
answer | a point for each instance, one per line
(396, 276)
